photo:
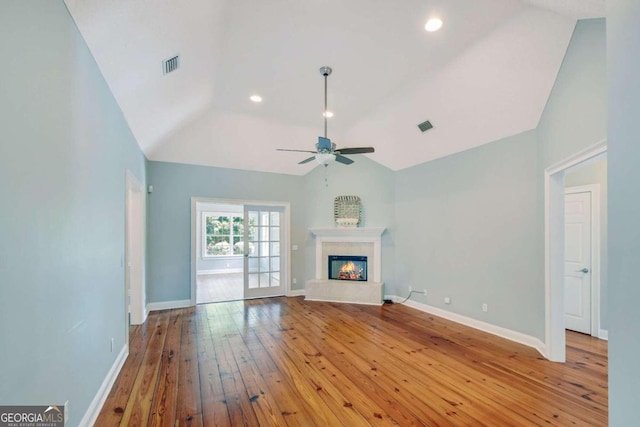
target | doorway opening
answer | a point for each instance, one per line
(238, 250)
(135, 296)
(556, 247)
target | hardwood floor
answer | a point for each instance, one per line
(289, 362)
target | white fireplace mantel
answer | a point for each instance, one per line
(350, 235)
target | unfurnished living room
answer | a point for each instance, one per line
(222, 213)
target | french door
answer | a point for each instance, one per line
(263, 243)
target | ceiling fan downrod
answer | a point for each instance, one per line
(326, 72)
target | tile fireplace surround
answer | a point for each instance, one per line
(347, 241)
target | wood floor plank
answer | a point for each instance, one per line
(138, 406)
(189, 401)
(214, 407)
(291, 362)
(113, 409)
(163, 409)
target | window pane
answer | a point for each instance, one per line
(253, 218)
(253, 234)
(253, 281)
(209, 223)
(275, 264)
(238, 226)
(221, 225)
(275, 234)
(264, 280)
(275, 218)
(209, 247)
(264, 218)
(275, 249)
(253, 265)
(238, 246)
(264, 233)
(275, 280)
(218, 245)
(264, 248)
(264, 264)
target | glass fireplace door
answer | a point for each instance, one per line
(263, 237)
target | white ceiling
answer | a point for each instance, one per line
(485, 75)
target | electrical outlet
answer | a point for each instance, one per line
(424, 291)
(410, 288)
(485, 307)
(447, 300)
(111, 345)
(295, 280)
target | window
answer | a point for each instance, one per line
(223, 234)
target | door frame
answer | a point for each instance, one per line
(134, 195)
(594, 268)
(286, 239)
(554, 191)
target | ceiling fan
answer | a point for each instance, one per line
(325, 149)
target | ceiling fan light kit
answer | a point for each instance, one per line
(326, 151)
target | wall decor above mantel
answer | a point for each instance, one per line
(346, 211)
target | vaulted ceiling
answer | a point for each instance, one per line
(485, 75)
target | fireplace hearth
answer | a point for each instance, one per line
(347, 267)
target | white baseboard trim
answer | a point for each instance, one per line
(603, 334)
(221, 271)
(518, 337)
(168, 305)
(95, 407)
(296, 293)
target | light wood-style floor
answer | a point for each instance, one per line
(289, 362)
(219, 287)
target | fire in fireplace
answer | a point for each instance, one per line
(348, 267)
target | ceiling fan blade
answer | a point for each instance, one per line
(343, 159)
(307, 160)
(357, 150)
(297, 151)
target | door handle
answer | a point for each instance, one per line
(584, 270)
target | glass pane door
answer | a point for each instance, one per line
(262, 245)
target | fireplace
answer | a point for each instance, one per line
(347, 267)
(359, 245)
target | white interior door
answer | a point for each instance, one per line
(134, 251)
(263, 250)
(577, 276)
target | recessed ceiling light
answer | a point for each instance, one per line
(433, 24)
(327, 114)
(256, 98)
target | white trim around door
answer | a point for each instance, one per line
(554, 191)
(286, 238)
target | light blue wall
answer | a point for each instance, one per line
(623, 39)
(575, 116)
(169, 217)
(64, 149)
(468, 229)
(596, 173)
(370, 181)
(470, 226)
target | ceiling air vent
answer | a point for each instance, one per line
(425, 126)
(171, 64)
